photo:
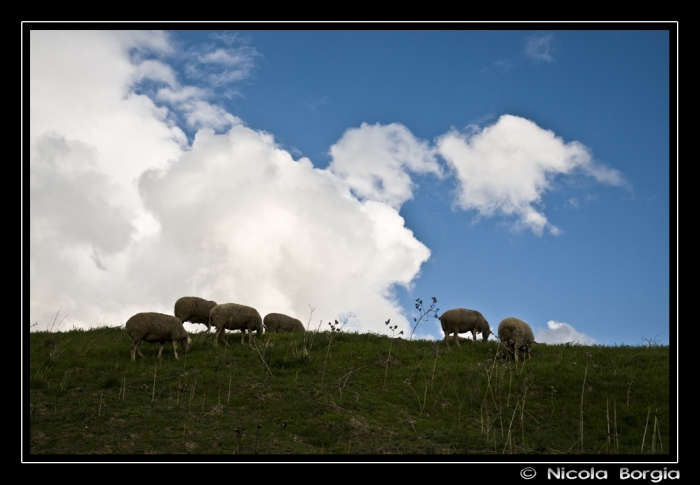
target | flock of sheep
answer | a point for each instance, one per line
(514, 334)
(154, 327)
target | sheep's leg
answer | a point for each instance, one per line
(447, 339)
(175, 349)
(138, 344)
(134, 347)
(221, 334)
(217, 336)
(243, 336)
(456, 334)
(474, 336)
(160, 350)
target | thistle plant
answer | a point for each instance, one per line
(393, 334)
(430, 312)
(336, 327)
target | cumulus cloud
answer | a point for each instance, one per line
(71, 199)
(248, 223)
(375, 160)
(539, 47)
(507, 167)
(126, 216)
(90, 138)
(559, 333)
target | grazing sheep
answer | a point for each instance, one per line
(194, 309)
(233, 316)
(462, 320)
(278, 323)
(156, 327)
(516, 336)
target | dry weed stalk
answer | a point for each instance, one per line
(509, 429)
(653, 434)
(228, 398)
(308, 335)
(607, 416)
(658, 429)
(427, 383)
(417, 397)
(617, 438)
(522, 412)
(64, 379)
(645, 430)
(583, 388)
(347, 376)
(153, 394)
(255, 346)
(192, 393)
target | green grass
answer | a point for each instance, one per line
(333, 393)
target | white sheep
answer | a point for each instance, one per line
(462, 320)
(156, 327)
(516, 336)
(194, 309)
(232, 316)
(278, 323)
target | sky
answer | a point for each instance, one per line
(344, 174)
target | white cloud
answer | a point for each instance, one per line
(126, 217)
(219, 66)
(155, 71)
(200, 114)
(539, 47)
(374, 160)
(197, 113)
(507, 167)
(225, 57)
(426, 336)
(71, 199)
(504, 64)
(181, 94)
(247, 223)
(559, 333)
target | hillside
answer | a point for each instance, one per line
(341, 393)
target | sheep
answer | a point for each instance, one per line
(194, 309)
(233, 316)
(462, 320)
(516, 336)
(277, 322)
(156, 327)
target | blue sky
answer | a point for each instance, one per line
(518, 173)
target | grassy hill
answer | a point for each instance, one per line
(341, 393)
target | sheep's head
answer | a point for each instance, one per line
(487, 331)
(185, 343)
